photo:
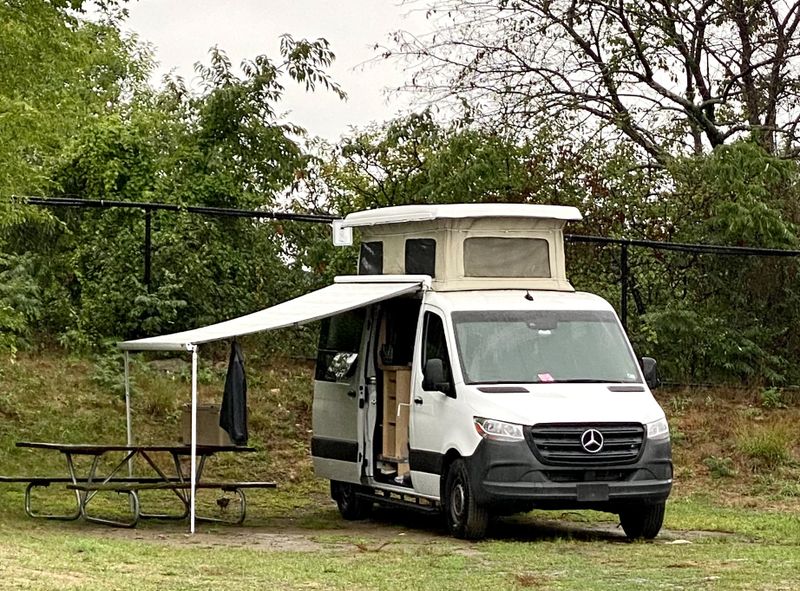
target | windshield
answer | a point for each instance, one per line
(538, 347)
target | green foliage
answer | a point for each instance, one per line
(720, 467)
(57, 73)
(20, 303)
(739, 194)
(79, 120)
(767, 446)
(224, 145)
(107, 371)
(772, 398)
(416, 160)
(693, 344)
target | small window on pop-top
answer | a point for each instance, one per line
(421, 256)
(506, 257)
(370, 261)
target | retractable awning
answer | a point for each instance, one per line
(348, 293)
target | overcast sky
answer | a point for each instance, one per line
(182, 31)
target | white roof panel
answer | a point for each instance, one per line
(421, 213)
(329, 301)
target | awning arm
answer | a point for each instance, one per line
(193, 473)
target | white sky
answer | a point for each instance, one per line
(182, 31)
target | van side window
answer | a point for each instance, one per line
(370, 259)
(435, 347)
(420, 258)
(522, 257)
(339, 340)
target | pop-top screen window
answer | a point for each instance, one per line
(370, 261)
(421, 256)
(506, 257)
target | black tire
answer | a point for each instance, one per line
(642, 521)
(466, 518)
(351, 506)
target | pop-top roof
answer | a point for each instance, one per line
(421, 213)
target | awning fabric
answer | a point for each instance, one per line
(329, 301)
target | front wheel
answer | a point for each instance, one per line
(351, 506)
(465, 517)
(643, 521)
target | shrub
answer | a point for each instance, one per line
(772, 398)
(720, 467)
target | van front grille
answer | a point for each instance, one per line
(559, 444)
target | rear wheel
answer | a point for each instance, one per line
(351, 506)
(465, 517)
(642, 521)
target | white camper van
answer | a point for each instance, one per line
(469, 377)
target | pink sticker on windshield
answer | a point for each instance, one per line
(545, 377)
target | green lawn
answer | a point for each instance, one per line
(733, 522)
(294, 539)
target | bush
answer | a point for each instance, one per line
(772, 398)
(720, 467)
(20, 305)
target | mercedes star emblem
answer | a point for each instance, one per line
(592, 440)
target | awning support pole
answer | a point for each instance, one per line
(128, 407)
(194, 439)
(128, 426)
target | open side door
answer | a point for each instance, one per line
(339, 397)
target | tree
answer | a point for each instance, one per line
(671, 76)
(223, 145)
(57, 71)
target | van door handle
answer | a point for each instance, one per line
(418, 400)
(352, 393)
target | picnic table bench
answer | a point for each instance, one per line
(46, 481)
(133, 488)
(87, 487)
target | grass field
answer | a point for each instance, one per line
(733, 521)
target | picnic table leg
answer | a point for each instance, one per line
(181, 494)
(135, 514)
(86, 496)
(31, 513)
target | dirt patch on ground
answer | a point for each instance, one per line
(385, 534)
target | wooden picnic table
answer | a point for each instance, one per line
(87, 485)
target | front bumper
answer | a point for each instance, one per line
(509, 474)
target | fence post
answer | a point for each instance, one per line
(623, 264)
(147, 247)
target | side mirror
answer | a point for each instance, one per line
(650, 371)
(433, 378)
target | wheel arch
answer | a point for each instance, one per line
(450, 456)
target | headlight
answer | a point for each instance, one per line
(658, 429)
(498, 430)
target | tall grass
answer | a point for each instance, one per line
(766, 446)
